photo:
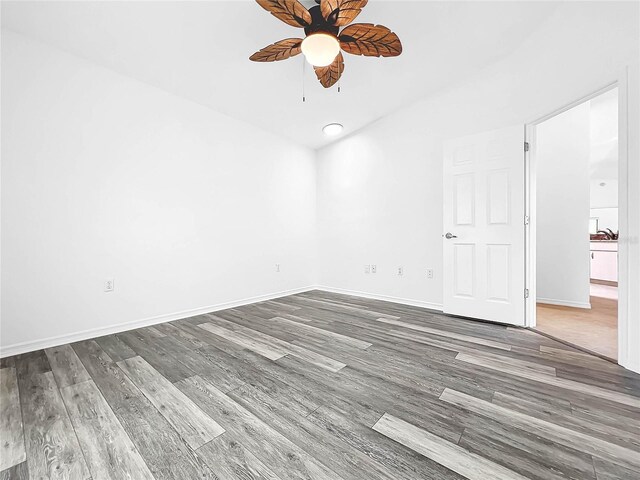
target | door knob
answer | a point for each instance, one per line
(450, 235)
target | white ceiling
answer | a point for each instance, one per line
(200, 50)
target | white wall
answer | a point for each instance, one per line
(380, 202)
(562, 191)
(604, 164)
(604, 196)
(103, 176)
(379, 189)
(607, 218)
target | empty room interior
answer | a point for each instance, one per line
(320, 240)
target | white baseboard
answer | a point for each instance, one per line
(405, 301)
(146, 322)
(49, 342)
(563, 303)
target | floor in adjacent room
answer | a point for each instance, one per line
(319, 386)
(594, 329)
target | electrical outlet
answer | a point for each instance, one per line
(109, 285)
(367, 269)
(374, 268)
(429, 273)
(400, 271)
(278, 267)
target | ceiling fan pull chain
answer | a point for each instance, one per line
(304, 99)
(339, 86)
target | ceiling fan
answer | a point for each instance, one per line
(324, 40)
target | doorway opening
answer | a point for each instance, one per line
(574, 193)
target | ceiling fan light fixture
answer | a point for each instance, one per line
(320, 49)
(329, 30)
(332, 129)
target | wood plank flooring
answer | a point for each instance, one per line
(318, 386)
(594, 329)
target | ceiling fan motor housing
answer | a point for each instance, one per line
(319, 24)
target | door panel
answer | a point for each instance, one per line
(484, 212)
(464, 270)
(498, 273)
(464, 198)
(498, 197)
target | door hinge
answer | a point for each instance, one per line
(526, 219)
(526, 146)
(526, 293)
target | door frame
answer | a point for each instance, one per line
(623, 211)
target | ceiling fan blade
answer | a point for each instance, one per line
(291, 12)
(341, 12)
(281, 50)
(370, 40)
(329, 75)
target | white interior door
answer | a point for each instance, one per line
(484, 232)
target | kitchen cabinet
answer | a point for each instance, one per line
(604, 261)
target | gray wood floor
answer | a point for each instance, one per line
(318, 386)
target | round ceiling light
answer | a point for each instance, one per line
(320, 49)
(332, 129)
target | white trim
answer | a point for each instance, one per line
(628, 249)
(145, 322)
(624, 335)
(564, 303)
(580, 101)
(530, 189)
(374, 296)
